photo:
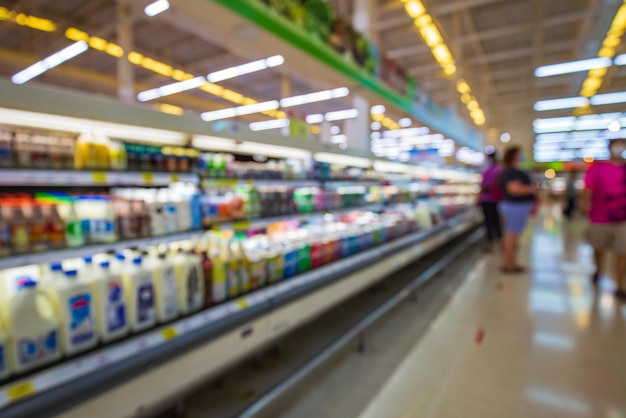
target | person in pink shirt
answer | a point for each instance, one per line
(604, 199)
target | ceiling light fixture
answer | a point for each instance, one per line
(378, 110)
(170, 89)
(314, 97)
(341, 115)
(316, 118)
(594, 80)
(156, 7)
(240, 110)
(608, 98)
(50, 62)
(269, 124)
(405, 122)
(565, 103)
(505, 137)
(614, 126)
(572, 67)
(248, 68)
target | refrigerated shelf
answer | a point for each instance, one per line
(97, 377)
(77, 178)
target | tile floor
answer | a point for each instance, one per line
(543, 344)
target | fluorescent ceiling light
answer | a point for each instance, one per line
(52, 61)
(341, 115)
(405, 122)
(335, 130)
(620, 60)
(240, 110)
(565, 103)
(402, 133)
(389, 167)
(343, 160)
(314, 97)
(269, 124)
(614, 126)
(609, 98)
(76, 125)
(339, 139)
(377, 110)
(572, 67)
(316, 118)
(248, 68)
(213, 143)
(157, 7)
(170, 89)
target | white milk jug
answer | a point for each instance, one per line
(74, 305)
(139, 287)
(109, 303)
(33, 328)
(165, 287)
(190, 279)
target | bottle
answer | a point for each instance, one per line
(188, 268)
(5, 231)
(109, 303)
(73, 228)
(139, 287)
(74, 306)
(4, 365)
(34, 331)
(165, 287)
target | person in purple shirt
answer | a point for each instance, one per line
(604, 199)
(489, 198)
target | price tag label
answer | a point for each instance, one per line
(241, 225)
(147, 178)
(223, 182)
(243, 303)
(20, 391)
(174, 177)
(169, 333)
(99, 177)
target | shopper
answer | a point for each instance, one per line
(490, 196)
(516, 206)
(572, 196)
(604, 199)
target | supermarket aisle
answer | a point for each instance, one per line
(544, 344)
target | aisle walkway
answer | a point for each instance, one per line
(544, 344)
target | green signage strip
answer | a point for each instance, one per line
(273, 22)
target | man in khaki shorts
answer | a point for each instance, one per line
(604, 199)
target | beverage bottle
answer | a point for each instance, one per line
(109, 303)
(73, 302)
(29, 319)
(4, 365)
(190, 279)
(165, 287)
(140, 299)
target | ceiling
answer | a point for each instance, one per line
(497, 44)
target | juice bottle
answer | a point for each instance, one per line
(202, 251)
(74, 307)
(74, 236)
(109, 303)
(19, 227)
(165, 287)
(55, 227)
(139, 287)
(5, 231)
(29, 319)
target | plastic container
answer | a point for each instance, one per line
(97, 218)
(109, 303)
(140, 297)
(5, 371)
(165, 287)
(188, 268)
(73, 302)
(29, 319)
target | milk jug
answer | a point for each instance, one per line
(109, 303)
(74, 306)
(34, 330)
(4, 365)
(165, 287)
(139, 287)
(188, 268)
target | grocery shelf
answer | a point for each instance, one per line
(50, 178)
(238, 325)
(262, 223)
(89, 249)
(225, 182)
